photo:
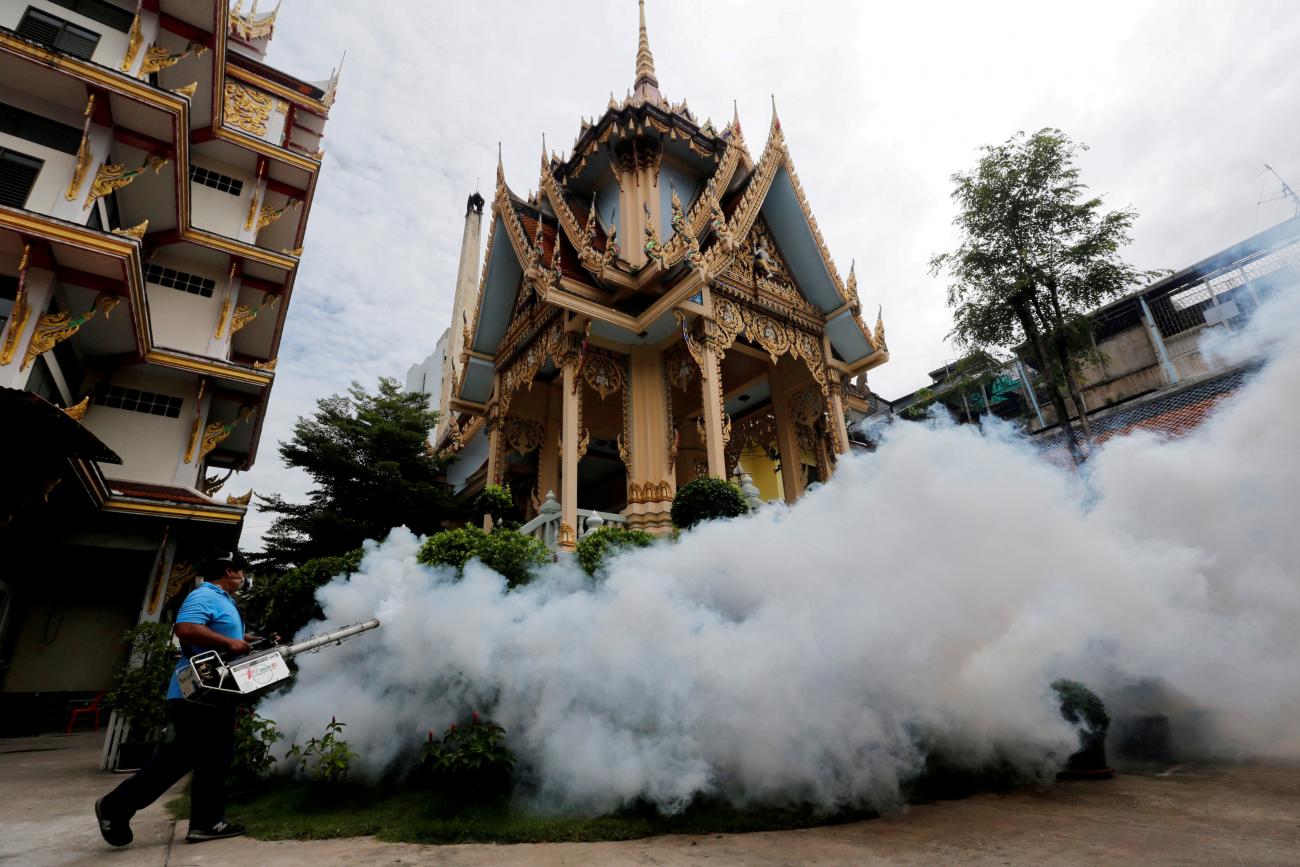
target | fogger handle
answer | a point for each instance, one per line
(291, 650)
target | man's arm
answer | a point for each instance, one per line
(197, 635)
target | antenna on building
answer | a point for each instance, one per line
(1287, 193)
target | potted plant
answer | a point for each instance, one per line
(1083, 708)
(139, 692)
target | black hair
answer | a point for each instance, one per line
(216, 566)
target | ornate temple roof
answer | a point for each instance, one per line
(705, 197)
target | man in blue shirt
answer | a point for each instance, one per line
(204, 742)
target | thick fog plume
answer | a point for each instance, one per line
(926, 597)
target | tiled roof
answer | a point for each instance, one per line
(1170, 414)
(569, 264)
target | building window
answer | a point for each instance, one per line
(58, 34)
(191, 283)
(40, 130)
(225, 183)
(101, 11)
(17, 177)
(135, 400)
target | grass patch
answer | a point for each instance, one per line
(293, 810)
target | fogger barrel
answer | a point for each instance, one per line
(210, 679)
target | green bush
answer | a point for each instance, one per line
(139, 690)
(593, 548)
(1080, 705)
(254, 737)
(470, 760)
(326, 759)
(506, 551)
(705, 499)
(283, 604)
(496, 501)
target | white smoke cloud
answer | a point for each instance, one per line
(927, 595)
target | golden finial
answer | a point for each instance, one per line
(78, 410)
(645, 61)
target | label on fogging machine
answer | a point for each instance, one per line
(255, 674)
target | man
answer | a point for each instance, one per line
(204, 742)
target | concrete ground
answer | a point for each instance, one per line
(1182, 814)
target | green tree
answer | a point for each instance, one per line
(1036, 253)
(373, 469)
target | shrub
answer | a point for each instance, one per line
(705, 499)
(139, 690)
(593, 548)
(254, 737)
(496, 501)
(471, 760)
(452, 548)
(506, 551)
(283, 604)
(326, 759)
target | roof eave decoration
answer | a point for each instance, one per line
(252, 27)
(758, 194)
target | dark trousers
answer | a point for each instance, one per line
(204, 743)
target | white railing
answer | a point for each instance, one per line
(546, 526)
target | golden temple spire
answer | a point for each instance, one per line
(646, 84)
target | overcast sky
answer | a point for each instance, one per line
(1181, 103)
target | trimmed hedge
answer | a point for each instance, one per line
(594, 548)
(706, 499)
(508, 552)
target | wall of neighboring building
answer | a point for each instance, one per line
(152, 447)
(179, 319)
(222, 212)
(111, 47)
(427, 375)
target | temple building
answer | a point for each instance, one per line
(662, 308)
(155, 181)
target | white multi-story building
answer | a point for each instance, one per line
(155, 181)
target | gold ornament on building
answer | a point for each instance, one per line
(137, 231)
(252, 27)
(878, 338)
(133, 41)
(54, 328)
(194, 425)
(249, 109)
(296, 252)
(113, 176)
(82, 164)
(232, 500)
(218, 432)
(245, 314)
(212, 484)
(269, 214)
(254, 198)
(157, 58)
(20, 312)
(183, 574)
(188, 90)
(78, 410)
(566, 538)
(268, 366)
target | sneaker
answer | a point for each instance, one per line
(217, 832)
(117, 832)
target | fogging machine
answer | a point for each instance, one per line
(210, 678)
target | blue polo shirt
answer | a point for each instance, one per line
(207, 605)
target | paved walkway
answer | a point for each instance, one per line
(1186, 814)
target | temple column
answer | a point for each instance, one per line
(839, 428)
(569, 435)
(548, 459)
(787, 437)
(650, 488)
(711, 374)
